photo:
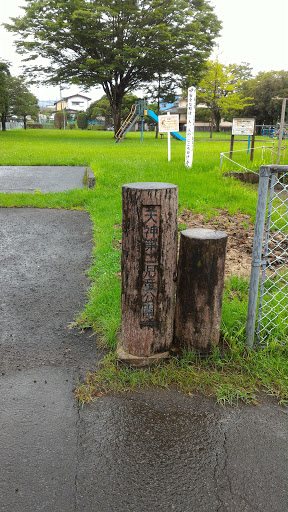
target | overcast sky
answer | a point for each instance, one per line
(254, 31)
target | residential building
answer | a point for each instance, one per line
(73, 104)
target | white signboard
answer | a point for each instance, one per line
(169, 123)
(241, 126)
(190, 128)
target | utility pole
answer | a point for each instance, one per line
(282, 122)
(62, 108)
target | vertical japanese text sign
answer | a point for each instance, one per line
(191, 107)
(151, 225)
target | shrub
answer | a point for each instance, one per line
(82, 121)
(35, 125)
(95, 127)
(72, 126)
(59, 120)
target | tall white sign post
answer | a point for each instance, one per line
(191, 107)
(168, 124)
(169, 142)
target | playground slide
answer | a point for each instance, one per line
(154, 118)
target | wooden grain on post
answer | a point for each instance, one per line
(200, 286)
(148, 265)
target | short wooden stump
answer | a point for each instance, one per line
(200, 285)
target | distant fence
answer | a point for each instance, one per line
(13, 125)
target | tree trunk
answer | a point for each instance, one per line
(217, 122)
(115, 95)
(117, 118)
(157, 131)
(148, 263)
(25, 122)
(116, 109)
(3, 121)
(200, 286)
(158, 111)
(211, 128)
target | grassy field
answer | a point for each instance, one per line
(231, 373)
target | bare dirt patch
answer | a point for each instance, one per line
(240, 231)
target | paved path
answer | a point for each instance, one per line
(141, 452)
(45, 178)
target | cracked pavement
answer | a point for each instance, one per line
(141, 452)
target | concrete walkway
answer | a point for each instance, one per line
(44, 178)
(140, 452)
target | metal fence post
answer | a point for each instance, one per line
(257, 253)
(266, 247)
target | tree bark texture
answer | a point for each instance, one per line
(149, 264)
(3, 121)
(200, 286)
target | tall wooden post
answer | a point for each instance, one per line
(231, 146)
(148, 264)
(253, 142)
(200, 288)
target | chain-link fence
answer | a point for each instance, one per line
(269, 273)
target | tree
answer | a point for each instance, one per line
(59, 119)
(219, 91)
(4, 93)
(82, 121)
(241, 73)
(22, 102)
(264, 87)
(115, 43)
(102, 109)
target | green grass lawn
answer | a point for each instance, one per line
(230, 374)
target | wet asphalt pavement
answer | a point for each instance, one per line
(139, 452)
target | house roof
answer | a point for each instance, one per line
(178, 110)
(73, 96)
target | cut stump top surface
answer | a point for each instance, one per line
(203, 234)
(150, 185)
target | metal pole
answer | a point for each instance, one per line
(256, 255)
(266, 247)
(248, 147)
(281, 127)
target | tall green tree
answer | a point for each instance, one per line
(219, 90)
(4, 93)
(119, 44)
(22, 102)
(263, 88)
(102, 109)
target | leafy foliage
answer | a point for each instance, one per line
(119, 44)
(263, 88)
(219, 91)
(59, 120)
(22, 102)
(4, 93)
(101, 109)
(82, 121)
